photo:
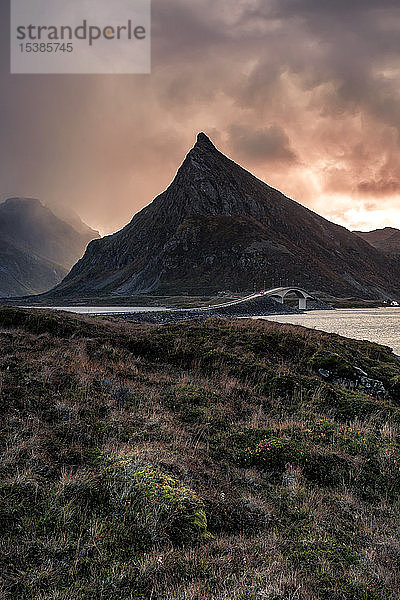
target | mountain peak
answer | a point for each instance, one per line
(218, 227)
(22, 202)
(203, 141)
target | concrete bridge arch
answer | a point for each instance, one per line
(281, 293)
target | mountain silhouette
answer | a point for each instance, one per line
(37, 249)
(387, 240)
(218, 227)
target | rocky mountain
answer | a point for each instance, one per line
(218, 227)
(37, 249)
(387, 240)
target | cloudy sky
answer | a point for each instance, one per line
(304, 93)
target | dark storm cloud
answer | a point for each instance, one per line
(345, 59)
(303, 92)
(380, 187)
(267, 144)
(326, 7)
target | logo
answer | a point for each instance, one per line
(80, 36)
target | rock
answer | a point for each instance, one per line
(324, 373)
(360, 372)
(360, 382)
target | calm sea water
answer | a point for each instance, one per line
(102, 310)
(381, 325)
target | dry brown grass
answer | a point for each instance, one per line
(80, 395)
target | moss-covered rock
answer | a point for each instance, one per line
(333, 362)
(179, 507)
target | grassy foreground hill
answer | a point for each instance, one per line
(204, 460)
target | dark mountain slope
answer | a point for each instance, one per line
(37, 249)
(23, 273)
(217, 226)
(387, 240)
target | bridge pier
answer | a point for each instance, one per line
(302, 303)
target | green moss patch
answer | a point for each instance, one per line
(180, 508)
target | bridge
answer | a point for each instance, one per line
(280, 294)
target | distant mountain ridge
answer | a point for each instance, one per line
(37, 249)
(387, 240)
(219, 227)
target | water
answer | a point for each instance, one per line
(381, 325)
(102, 310)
